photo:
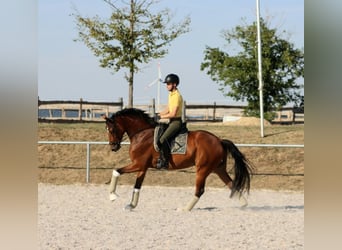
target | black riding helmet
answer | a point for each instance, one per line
(172, 78)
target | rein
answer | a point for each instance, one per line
(133, 114)
(117, 143)
(137, 132)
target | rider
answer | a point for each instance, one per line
(173, 112)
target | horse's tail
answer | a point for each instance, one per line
(243, 168)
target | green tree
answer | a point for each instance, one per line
(282, 65)
(131, 36)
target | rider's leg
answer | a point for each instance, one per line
(172, 130)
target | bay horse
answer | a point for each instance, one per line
(205, 151)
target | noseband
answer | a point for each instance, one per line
(117, 143)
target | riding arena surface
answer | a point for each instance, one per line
(80, 216)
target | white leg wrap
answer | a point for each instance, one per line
(241, 199)
(112, 186)
(191, 204)
(116, 173)
(113, 196)
(135, 199)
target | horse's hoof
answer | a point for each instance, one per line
(113, 196)
(184, 209)
(243, 202)
(129, 207)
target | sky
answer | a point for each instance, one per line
(67, 70)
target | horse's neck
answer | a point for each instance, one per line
(135, 126)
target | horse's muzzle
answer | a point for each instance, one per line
(115, 146)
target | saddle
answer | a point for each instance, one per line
(177, 143)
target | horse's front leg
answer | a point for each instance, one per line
(115, 176)
(136, 191)
(112, 186)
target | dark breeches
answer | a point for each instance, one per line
(173, 128)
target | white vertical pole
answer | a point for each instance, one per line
(260, 70)
(158, 94)
(88, 163)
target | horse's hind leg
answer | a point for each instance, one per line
(136, 191)
(222, 173)
(200, 184)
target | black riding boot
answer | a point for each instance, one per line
(164, 157)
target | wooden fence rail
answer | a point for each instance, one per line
(84, 109)
(91, 111)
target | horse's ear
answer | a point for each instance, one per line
(104, 117)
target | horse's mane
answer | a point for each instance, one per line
(136, 113)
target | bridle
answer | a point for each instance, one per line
(114, 133)
(113, 130)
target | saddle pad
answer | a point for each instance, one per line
(178, 144)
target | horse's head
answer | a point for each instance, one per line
(115, 133)
(130, 121)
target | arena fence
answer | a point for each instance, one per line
(86, 111)
(88, 143)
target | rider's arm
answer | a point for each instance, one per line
(170, 114)
(165, 111)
